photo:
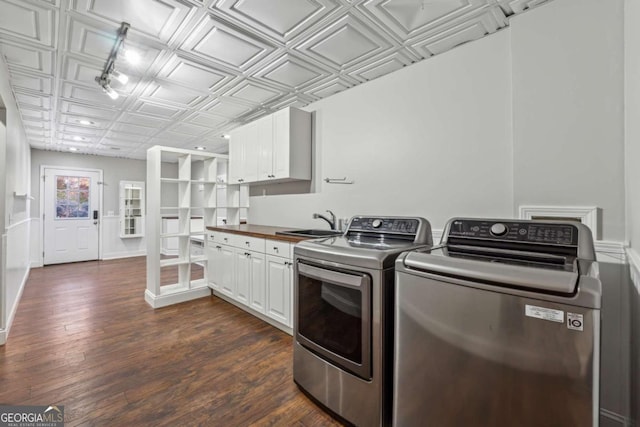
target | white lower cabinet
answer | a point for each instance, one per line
(221, 271)
(260, 278)
(279, 280)
(249, 267)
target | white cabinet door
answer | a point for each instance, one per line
(236, 155)
(251, 153)
(227, 271)
(279, 275)
(243, 275)
(214, 267)
(257, 292)
(265, 148)
(281, 142)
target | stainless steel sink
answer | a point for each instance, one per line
(310, 233)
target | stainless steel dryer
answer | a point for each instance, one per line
(499, 326)
(343, 315)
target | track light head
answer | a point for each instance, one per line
(121, 77)
(109, 91)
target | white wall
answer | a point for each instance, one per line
(632, 122)
(14, 211)
(432, 139)
(632, 138)
(568, 108)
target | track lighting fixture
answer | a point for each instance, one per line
(109, 72)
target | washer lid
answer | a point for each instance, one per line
(547, 280)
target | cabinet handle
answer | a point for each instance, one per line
(240, 180)
(246, 243)
(218, 247)
(275, 248)
(247, 254)
(226, 239)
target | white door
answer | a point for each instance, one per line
(71, 199)
(243, 275)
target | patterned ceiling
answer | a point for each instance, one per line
(208, 66)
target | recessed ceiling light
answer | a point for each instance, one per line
(199, 147)
(114, 148)
(78, 138)
(73, 149)
(226, 136)
(87, 122)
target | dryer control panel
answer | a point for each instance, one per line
(516, 231)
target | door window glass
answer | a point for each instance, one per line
(72, 196)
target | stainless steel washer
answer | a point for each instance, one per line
(499, 326)
(343, 315)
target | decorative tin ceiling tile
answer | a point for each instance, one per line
(30, 101)
(158, 110)
(472, 29)
(374, 69)
(29, 114)
(134, 129)
(253, 93)
(209, 121)
(28, 21)
(191, 74)
(189, 129)
(330, 88)
(410, 18)
(87, 111)
(279, 19)
(344, 43)
(25, 57)
(218, 43)
(122, 137)
(291, 73)
(143, 120)
(31, 82)
(226, 107)
(158, 19)
(165, 93)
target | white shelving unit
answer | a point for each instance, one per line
(198, 189)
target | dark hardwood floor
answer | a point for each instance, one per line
(83, 337)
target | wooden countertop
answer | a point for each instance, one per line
(260, 231)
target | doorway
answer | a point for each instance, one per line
(70, 207)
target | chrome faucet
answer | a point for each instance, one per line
(332, 221)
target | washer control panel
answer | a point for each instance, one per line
(515, 231)
(384, 225)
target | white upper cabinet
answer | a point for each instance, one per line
(291, 144)
(274, 148)
(243, 154)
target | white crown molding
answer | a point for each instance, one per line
(588, 214)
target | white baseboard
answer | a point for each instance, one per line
(158, 301)
(119, 255)
(4, 333)
(35, 264)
